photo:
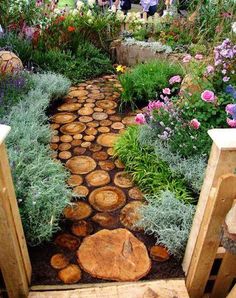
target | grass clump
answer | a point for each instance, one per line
(145, 81)
(40, 181)
(150, 173)
(169, 220)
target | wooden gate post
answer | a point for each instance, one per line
(14, 259)
(222, 161)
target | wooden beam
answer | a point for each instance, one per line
(208, 240)
(222, 161)
(232, 294)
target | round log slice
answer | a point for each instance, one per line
(62, 118)
(53, 146)
(130, 215)
(114, 255)
(90, 105)
(66, 138)
(85, 119)
(129, 120)
(98, 109)
(64, 155)
(123, 179)
(95, 147)
(79, 151)
(69, 107)
(78, 93)
(85, 144)
(117, 125)
(75, 180)
(90, 100)
(106, 165)
(107, 198)
(115, 118)
(89, 138)
(59, 261)
(119, 164)
(76, 143)
(55, 139)
(54, 126)
(77, 211)
(159, 253)
(136, 194)
(81, 191)
(70, 275)
(91, 131)
(78, 136)
(100, 155)
(110, 112)
(98, 178)
(67, 241)
(107, 139)
(105, 122)
(85, 111)
(73, 128)
(81, 164)
(105, 220)
(82, 228)
(103, 129)
(99, 116)
(93, 124)
(106, 104)
(110, 151)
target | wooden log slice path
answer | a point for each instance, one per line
(86, 127)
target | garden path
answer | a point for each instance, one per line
(106, 201)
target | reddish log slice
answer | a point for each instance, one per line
(69, 107)
(117, 125)
(104, 129)
(105, 122)
(91, 131)
(64, 155)
(130, 215)
(159, 253)
(66, 138)
(73, 128)
(75, 180)
(106, 104)
(70, 275)
(100, 155)
(85, 144)
(78, 136)
(53, 146)
(107, 139)
(106, 165)
(77, 211)
(55, 139)
(82, 228)
(95, 147)
(99, 116)
(70, 100)
(78, 93)
(110, 151)
(85, 111)
(105, 220)
(93, 124)
(119, 164)
(107, 198)
(85, 119)
(98, 110)
(129, 120)
(54, 126)
(136, 194)
(75, 143)
(114, 255)
(89, 138)
(98, 178)
(63, 118)
(115, 118)
(110, 112)
(67, 241)
(79, 150)
(123, 179)
(81, 164)
(59, 261)
(80, 191)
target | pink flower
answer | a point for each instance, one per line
(166, 91)
(140, 119)
(155, 105)
(210, 69)
(187, 58)
(175, 79)
(195, 124)
(198, 57)
(208, 96)
(226, 79)
(231, 122)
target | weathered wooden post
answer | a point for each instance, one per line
(14, 259)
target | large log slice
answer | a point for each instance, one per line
(107, 139)
(114, 255)
(98, 178)
(73, 128)
(77, 211)
(81, 164)
(62, 118)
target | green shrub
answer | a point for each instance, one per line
(150, 173)
(40, 181)
(144, 81)
(169, 220)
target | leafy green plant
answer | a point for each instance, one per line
(169, 220)
(150, 173)
(144, 81)
(39, 180)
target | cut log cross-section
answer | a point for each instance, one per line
(81, 164)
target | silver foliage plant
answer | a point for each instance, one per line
(191, 169)
(40, 181)
(168, 220)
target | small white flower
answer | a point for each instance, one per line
(234, 27)
(79, 5)
(91, 3)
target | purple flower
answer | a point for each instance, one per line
(155, 105)
(166, 91)
(208, 96)
(231, 109)
(231, 90)
(187, 58)
(226, 79)
(175, 79)
(198, 57)
(210, 69)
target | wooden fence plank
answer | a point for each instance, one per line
(232, 294)
(208, 239)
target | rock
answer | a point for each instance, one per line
(114, 255)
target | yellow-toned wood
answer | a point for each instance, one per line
(225, 276)
(220, 252)
(4, 130)
(222, 161)
(232, 294)
(160, 288)
(208, 239)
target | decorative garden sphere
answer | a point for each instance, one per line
(9, 62)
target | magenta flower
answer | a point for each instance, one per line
(210, 69)
(140, 119)
(231, 109)
(208, 96)
(231, 122)
(155, 105)
(187, 58)
(198, 57)
(226, 79)
(175, 79)
(195, 124)
(166, 91)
